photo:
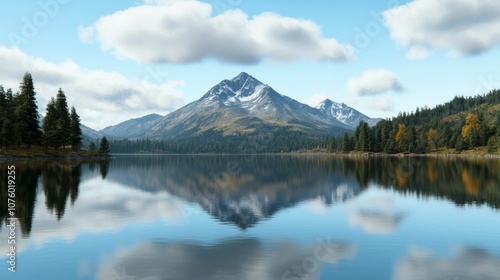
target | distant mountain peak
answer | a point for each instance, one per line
(241, 86)
(328, 103)
(344, 113)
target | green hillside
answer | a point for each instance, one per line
(465, 124)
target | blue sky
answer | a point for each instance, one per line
(122, 59)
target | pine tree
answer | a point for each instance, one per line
(3, 113)
(104, 146)
(362, 137)
(63, 120)
(459, 146)
(344, 143)
(49, 125)
(7, 133)
(489, 146)
(26, 113)
(75, 130)
(331, 145)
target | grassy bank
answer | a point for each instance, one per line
(42, 153)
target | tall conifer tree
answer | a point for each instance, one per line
(26, 112)
(75, 130)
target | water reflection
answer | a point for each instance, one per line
(468, 263)
(59, 180)
(244, 190)
(377, 216)
(91, 210)
(230, 259)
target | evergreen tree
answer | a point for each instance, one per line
(26, 113)
(331, 145)
(75, 130)
(489, 146)
(390, 146)
(7, 133)
(3, 113)
(459, 146)
(412, 140)
(49, 125)
(63, 120)
(104, 146)
(345, 143)
(362, 137)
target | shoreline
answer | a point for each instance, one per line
(41, 158)
(73, 157)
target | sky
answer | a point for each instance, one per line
(117, 60)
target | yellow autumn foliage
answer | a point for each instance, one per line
(471, 123)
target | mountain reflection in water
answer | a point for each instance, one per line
(244, 190)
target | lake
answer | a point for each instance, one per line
(254, 217)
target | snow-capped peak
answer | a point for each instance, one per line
(241, 88)
(327, 103)
(344, 113)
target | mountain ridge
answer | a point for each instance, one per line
(241, 105)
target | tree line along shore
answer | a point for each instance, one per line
(25, 134)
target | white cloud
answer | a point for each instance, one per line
(470, 263)
(231, 259)
(381, 218)
(101, 98)
(86, 34)
(376, 222)
(375, 81)
(462, 27)
(187, 31)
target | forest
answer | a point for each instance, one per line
(23, 131)
(465, 123)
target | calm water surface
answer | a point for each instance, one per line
(255, 217)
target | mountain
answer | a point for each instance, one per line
(243, 105)
(345, 114)
(92, 134)
(131, 127)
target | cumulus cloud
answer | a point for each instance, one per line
(101, 98)
(85, 34)
(376, 222)
(232, 259)
(470, 263)
(462, 27)
(380, 219)
(373, 82)
(187, 31)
